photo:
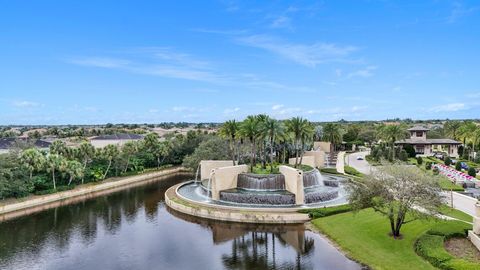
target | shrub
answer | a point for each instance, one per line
(458, 166)
(450, 229)
(326, 211)
(448, 161)
(435, 171)
(419, 160)
(403, 155)
(472, 172)
(410, 150)
(428, 165)
(431, 248)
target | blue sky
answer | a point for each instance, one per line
(83, 62)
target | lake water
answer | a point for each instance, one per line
(133, 229)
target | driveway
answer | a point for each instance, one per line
(360, 165)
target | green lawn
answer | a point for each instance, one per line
(451, 212)
(364, 237)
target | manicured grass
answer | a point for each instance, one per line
(446, 184)
(259, 170)
(451, 212)
(352, 171)
(329, 170)
(364, 237)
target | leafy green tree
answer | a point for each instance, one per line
(58, 147)
(395, 191)
(74, 170)
(452, 129)
(230, 130)
(32, 159)
(472, 172)
(391, 134)
(448, 161)
(458, 166)
(213, 148)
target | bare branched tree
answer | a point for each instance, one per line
(402, 193)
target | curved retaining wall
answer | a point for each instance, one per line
(44, 202)
(264, 215)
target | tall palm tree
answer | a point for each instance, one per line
(307, 136)
(298, 127)
(466, 132)
(110, 153)
(332, 133)
(273, 129)
(229, 130)
(249, 129)
(128, 150)
(162, 150)
(32, 159)
(262, 137)
(452, 129)
(55, 163)
(86, 152)
(391, 134)
(58, 147)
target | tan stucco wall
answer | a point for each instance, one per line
(206, 166)
(225, 178)
(340, 166)
(310, 161)
(322, 146)
(294, 183)
(319, 157)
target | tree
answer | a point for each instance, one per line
(55, 163)
(32, 159)
(249, 129)
(229, 130)
(86, 152)
(74, 170)
(162, 150)
(332, 133)
(214, 148)
(262, 137)
(467, 131)
(128, 150)
(300, 128)
(472, 172)
(401, 193)
(58, 147)
(452, 129)
(109, 152)
(273, 129)
(391, 134)
(448, 161)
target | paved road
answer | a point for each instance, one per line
(361, 165)
(461, 202)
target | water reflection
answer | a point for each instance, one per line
(133, 229)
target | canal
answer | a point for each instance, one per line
(133, 229)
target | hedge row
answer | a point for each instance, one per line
(326, 211)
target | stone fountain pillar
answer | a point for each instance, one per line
(474, 235)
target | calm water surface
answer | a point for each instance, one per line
(133, 229)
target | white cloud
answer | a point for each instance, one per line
(281, 22)
(25, 104)
(103, 62)
(307, 55)
(459, 10)
(364, 72)
(451, 107)
(277, 107)
(231, 111)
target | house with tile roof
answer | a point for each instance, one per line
(427, 147)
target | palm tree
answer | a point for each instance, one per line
(273, 129)
(86, 152)
(298, 127)
(109, 152)
(59, 148)
(128, 150)
(162, 149)
(452, 129)
(262, 138)
(249, 129)
(391, 134)
(467, 132)
(229, 130)
(332, 133)
(74, 169)
(32, 159)
(55, 163)
(307, 136)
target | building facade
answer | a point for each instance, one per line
(428, 147)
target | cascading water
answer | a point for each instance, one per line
(312, 178)
(209, 185)
(196, 174)
(261, 182)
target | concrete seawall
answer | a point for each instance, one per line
(44, 202)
